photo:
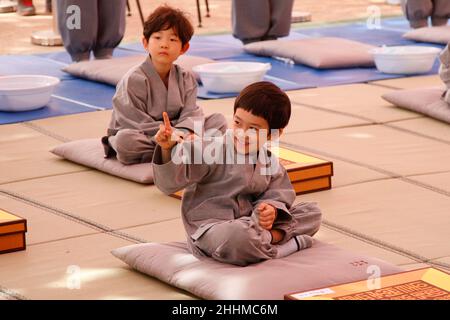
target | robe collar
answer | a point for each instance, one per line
(171, 93)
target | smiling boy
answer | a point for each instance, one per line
(240, 212)
(156, 86)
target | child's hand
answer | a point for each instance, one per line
(166, 137)
(267, 215)
(190, 136)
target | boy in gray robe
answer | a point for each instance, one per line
(237, 205)
(154, 87)
(418, 11)
(444, 71)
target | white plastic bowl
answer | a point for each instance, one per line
(230, 77)
(24, 93)
(405, 59)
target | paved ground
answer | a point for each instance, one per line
(16, 30)
(390, 196)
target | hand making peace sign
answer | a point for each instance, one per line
(167, 137)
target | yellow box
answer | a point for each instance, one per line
(307, 173)
(421, 284)
(12, 232)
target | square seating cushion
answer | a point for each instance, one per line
(110, 71)
(89, 153)
(321, 53)
(439, 35)
(322, 265)
(428, 101)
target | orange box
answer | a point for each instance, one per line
(421, 284)
(307, 173)
(12, 232)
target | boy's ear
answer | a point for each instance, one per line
(280, 132)
(185, 48)
(144, 42)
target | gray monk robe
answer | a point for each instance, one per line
(256, 20)
(418, 12)
(140, 100)
(219, 207)
(91, 25)
(444, 71)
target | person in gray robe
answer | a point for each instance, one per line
(220, 209)
(226, 192)
(140, 100)
(418, 11)
(259, 20)
(444, 71)
(88, 26)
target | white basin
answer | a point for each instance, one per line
(405, 59)
(230, 77)
(26, 92)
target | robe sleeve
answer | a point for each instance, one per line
(444, 71)
(279, 194)
(130, 105)
(174, 175)
(190, 112)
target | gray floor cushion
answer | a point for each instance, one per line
(110, 71)
(89, 153)
(428, 101)
(439, 35)
(321, 53)
(322, 265)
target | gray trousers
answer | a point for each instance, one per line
(418, 12)
(243, 241)
(134, 146)
(255, 20)
(100, 29)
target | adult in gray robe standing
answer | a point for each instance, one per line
(91, 25)
(259, 20)
(418, 11)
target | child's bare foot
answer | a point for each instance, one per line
(277, 235)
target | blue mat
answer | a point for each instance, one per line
(390, 34)
(285, 85)
(387, 35)
(64, 58)
(227, 48)
(75, 95)
(56, 107)
(72, 95)
(212, 47)
(16, 65)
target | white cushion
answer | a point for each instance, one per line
(89, 153)
(320, 266)
(428, 101)
(322, 53)
(439, 35)
(110, 71)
